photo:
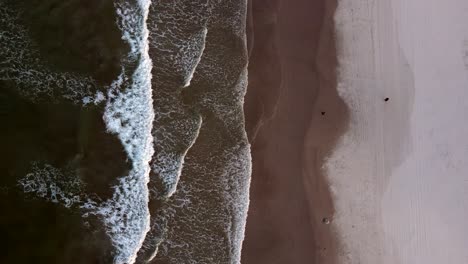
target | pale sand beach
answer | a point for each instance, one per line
(399, 173)
(393, 154)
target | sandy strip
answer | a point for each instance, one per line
(399, 175)
(291, 82)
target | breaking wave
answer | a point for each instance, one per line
(128, 113)
(184, 128)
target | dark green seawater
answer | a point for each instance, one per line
(72, 180)
(43, 128)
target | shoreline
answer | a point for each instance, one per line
(292, 81)
(329, 123)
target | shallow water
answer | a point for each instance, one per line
(118, 119)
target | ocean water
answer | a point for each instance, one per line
(123, 136)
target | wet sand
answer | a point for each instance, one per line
(293, 118)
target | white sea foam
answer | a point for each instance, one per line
(98, 98)
(169, 165)
(181, 58)
(237, 177)
(52, 184)
(197, 57)
(129, 114)
(21, 63)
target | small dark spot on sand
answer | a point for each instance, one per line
(326, 220)
(323, 113)
(386, 99)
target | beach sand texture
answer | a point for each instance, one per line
(293, 118)
(393, 154)
(399, 173)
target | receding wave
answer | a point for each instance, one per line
(21, 64)
(128, 113)
(176, 110)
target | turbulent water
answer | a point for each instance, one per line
(123, 135)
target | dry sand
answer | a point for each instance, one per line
(399, 175)
(291, 82)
